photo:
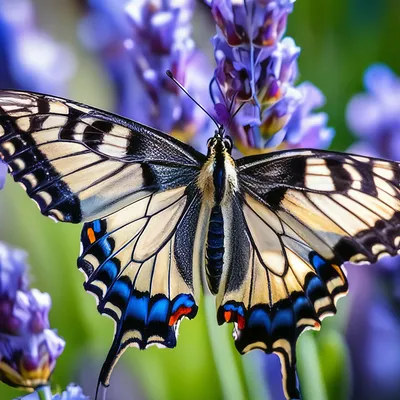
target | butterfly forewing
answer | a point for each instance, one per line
(79, 163)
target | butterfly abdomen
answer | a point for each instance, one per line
(215, 249)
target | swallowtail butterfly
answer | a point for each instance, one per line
(269, 232)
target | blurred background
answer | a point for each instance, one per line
(357, 353)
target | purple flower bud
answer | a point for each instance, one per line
(260, 22)
(28, 347)
(28, 361)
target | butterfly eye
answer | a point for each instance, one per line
(210, 142)
(228, 143)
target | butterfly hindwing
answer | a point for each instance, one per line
(298, 217)
(70, 158)
(134, 266)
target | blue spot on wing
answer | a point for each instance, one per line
(96, 226)
(159, 310)
(259, 318)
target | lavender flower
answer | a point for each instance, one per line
(73, 392)
(30, 59)
(374, 117)
(257, 67)
(13, 275)
(28, 347)
(143, 39)
(260, 22)
(307, 129)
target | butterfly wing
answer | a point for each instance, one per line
(80, 163)
(142, 266)
(298, 217)
(135, 189)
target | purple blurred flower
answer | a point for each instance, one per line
(73, 392)
(374, 117)
(255, 66)
(139, 41)
(29, 58)
(305, 128)
(13, 275)
(28, 347)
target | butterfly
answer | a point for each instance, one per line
(267, 234)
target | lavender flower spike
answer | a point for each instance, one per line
(258, 67)
(140, 41)
(28, 347)
(260, 22)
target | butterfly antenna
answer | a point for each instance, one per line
(169, 74)
(235, 113)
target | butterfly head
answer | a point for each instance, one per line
(220, 143)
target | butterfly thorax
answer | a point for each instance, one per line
(218, 177)
(217, 182)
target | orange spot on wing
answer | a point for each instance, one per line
(228, 316)
(179, 313)
(91, 235)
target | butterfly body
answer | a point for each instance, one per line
(271, 232)
(218, 183)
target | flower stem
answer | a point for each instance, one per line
(309, 369)
(44, 392)
(255, 380)
(228, 369)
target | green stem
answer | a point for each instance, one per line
(44, 393)
(255, 380)
(228, 369)
(309, 370)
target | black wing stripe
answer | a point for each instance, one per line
(384, 239)
(45, 184)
